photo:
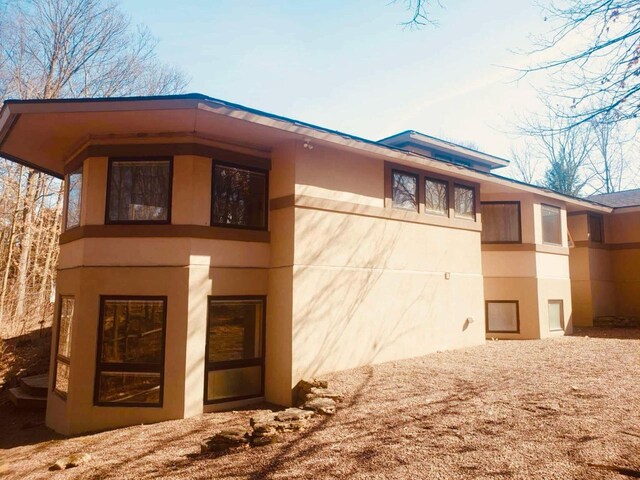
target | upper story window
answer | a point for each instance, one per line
(74, 199)
(139, 190)
(551, 225)
(596, 228)
(404, 190)
(239, 197)
(464, 202)
(436, 196)
(501, 222)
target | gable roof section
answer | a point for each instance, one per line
(625, 198)
(64, 122)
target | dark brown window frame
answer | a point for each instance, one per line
(591, 215)
(58, 357)
(240, 166)
(447, 184)
(422, 175)
(253, 362)
(510, 202)
(129, 367)
(475, 201)
(542, 223)
(561, 302)
(411, 174)
(66, 201)
(111, 160)
(486, 314)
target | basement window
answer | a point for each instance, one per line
(74, 199)
(131, 340)
(239, 196)
(501, 222)
(503, 316)
(551, 225)
(556, 315)
(63, 346)
(139, 191)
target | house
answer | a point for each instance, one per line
(214, 255)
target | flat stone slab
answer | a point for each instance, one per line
(323, 406)
(225, 440)
(71, 461)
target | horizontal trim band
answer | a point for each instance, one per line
(314, 203)
(166, 149)
(608, 246)
(164, 231)
(525, 247)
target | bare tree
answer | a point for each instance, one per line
(600, 77)
(420, 12)
(52, 49)
(525, 165)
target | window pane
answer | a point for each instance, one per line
(139, 190)
(239, 197)
(62, 377)
(436, 196)
(465, 202)
(64, 335)
(232, 383)
(595, 228)
(500, 222)
(555, 315)
(551, 229)
(235, 330)
(404, 190)
(132, 331)
(129, 387)
(502, 316)
(74, 198)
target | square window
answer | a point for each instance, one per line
(139, 191)
(404, 190)
(465, 202)
(551, 225)
(501, 222)
(436, 196)
(239, 197)
(503, 316)
(131, 342)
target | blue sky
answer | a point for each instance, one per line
(348, 65)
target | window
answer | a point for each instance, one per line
(551, 227)
(503, 316)
(596, 230)
(139, 191)
(501, 222)
(74, 199)
(63, 347)
(436, 196)
(464, 202)
(556, 315)
(235, 349)
(404, 190)
(239, 197)
(131, 338)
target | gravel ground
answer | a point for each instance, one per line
(565, 408)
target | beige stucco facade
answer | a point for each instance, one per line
(348, 279)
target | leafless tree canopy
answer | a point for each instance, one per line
(595, 48)
(420, 11)
(52, 49)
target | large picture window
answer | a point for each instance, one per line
(235, 349)
(503, 316)
(501, 222)
(63, 346)
(551, 225)
(131, 339)
(239, 197)
(465, 202)
(404, 190)
(139, 191)
(74, 199)
(436, 196)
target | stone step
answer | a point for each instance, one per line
(23, 399)
(36, 385)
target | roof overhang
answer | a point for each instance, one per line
(46, 134)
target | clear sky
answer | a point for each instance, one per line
(348, 65)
